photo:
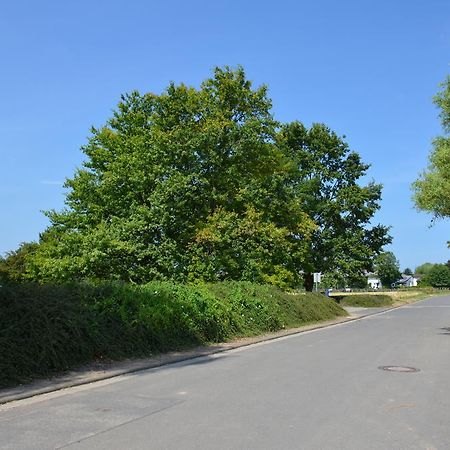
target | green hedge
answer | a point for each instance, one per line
(366, 301)
(47, 329)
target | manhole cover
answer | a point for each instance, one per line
(399, 369)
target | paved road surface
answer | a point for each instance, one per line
(317, 390)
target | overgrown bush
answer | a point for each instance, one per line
(366, 301)
(46, 329)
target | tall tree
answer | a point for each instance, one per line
(327, 182)
(204, 183)
(432, 189)
(158, 177)
(387, 268)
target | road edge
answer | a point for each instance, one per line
(84, 375)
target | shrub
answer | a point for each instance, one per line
(42, 329)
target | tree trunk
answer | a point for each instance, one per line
(309, 281)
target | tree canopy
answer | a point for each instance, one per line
(432, 188)
(387, 268)
(171, 184)
(327, 182)
(205, 184)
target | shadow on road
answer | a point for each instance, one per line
(195, 361)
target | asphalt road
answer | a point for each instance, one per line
(317, 390)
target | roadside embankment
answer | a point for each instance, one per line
(46, 330)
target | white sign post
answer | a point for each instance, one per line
(317, 279)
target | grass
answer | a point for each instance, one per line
(399, 297)
(406, 296)
(48, 329)
(366, 301)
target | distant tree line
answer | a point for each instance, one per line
(204, 184)
(436, 275)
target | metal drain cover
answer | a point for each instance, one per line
(399, 369)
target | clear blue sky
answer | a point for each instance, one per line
(368, 69)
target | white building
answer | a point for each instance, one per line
(407, 281)
(373, 281)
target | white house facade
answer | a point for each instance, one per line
(408, 281)
(373, 281)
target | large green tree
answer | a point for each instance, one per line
(205, 184)
(327, 181)
(432, 189)
(165, 176)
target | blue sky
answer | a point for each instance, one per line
(368, 69)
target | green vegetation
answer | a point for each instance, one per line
(204, 184)
(434, 274)
(189, 186)
(46, 329)
(366, 301)
(326, 180)
(424, 269)
(432, 189)
(438, 276)
(15, 267)
(387, 268)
